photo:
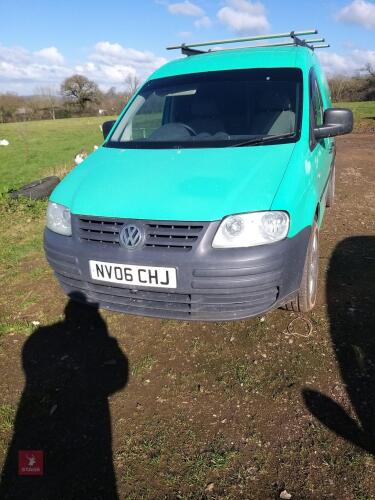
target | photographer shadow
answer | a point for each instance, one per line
(351, 308)
(71, 369)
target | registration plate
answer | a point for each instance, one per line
(128, 274)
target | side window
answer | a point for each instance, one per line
(316, 108)
(317, 103)
(149, 117)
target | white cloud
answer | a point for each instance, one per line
(104, 74)
(109, 64)
(23, 70)
(203, 22)
(185, 8)
(14, 54)
(359, 12)
(334, 63)
(244, 16)
(114, 53)
(51, 54)
(351, 63)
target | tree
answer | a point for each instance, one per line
(113, 101)
(48, 100)
(132, 84)
(338, 86)
(9, 104)
(369, 83)
(345, 88)
(80, 90)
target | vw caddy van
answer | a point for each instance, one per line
(206, 198)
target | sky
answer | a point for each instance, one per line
(44, 41)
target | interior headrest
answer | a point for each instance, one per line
(273, 101)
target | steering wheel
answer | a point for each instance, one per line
(187, 127)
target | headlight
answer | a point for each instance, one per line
(58, 219)
(254, 228)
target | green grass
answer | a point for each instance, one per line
(21, 225)
(7, 414)
(142, 366)
(214, 457)
(364, 110)
(39, 148)
(20, 327)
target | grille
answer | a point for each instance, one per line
(178, 236)
(166, 235)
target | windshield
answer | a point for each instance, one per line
(213, 109)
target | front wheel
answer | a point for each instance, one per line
(306, 297)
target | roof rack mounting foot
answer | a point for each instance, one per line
(188, 51)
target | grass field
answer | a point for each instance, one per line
(45, 147)
(364, 113)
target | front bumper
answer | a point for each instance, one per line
(212, 284)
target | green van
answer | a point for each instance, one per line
(206, 198)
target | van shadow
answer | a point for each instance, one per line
(71, 368)
(351, 308)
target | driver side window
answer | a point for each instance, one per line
(317, 103)
(316, 108)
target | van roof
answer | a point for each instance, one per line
(240, 58)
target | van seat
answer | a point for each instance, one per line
(273, 114)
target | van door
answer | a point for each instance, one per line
(322, 151)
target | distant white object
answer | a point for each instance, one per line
(96, 147)
(79, 158)
(4, 142)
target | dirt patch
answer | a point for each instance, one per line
(192, 410)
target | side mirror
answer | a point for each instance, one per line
(106, 127)
(337, 121)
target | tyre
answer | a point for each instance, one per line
(39, 189)
(331, 188)
(306, 297)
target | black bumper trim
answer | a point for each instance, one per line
(213, 284)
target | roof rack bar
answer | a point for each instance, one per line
(314, 40)
(246, 39)
(262, 45)
(192, 52)
(276, 44)
(321, 46)
(280, 44)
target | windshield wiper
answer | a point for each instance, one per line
(265, 138)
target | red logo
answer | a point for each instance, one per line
(30, 463)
